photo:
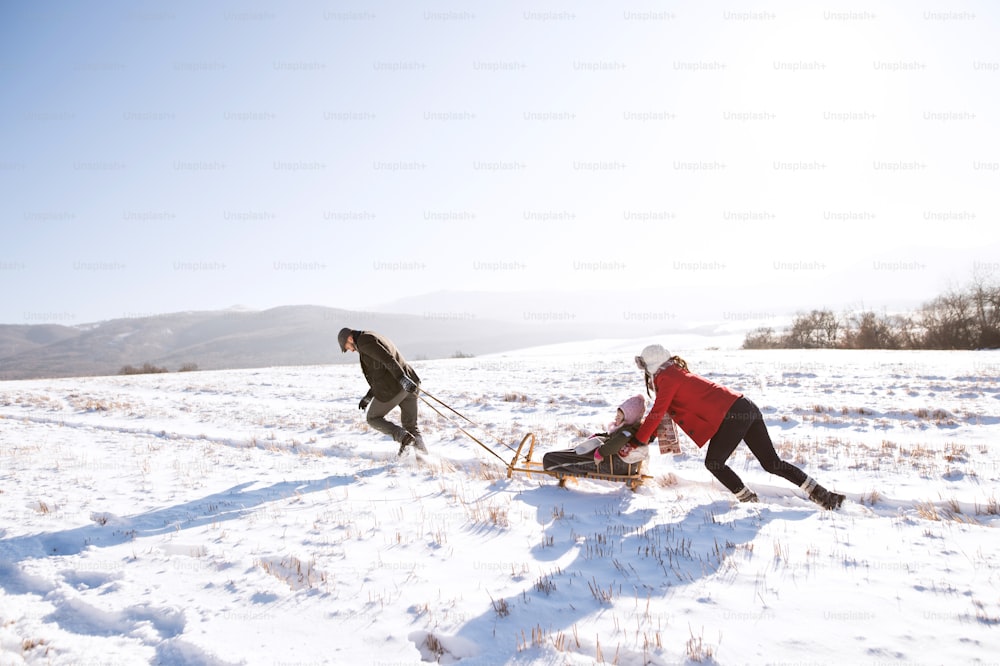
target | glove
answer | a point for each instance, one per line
(365, 401)
(632, 441)
(598, 458)
(408, 384)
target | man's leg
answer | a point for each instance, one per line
(376, 416)
(408, 416)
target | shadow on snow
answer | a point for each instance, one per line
(110, 530)
(628, 562)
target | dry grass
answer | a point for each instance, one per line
(434, 646)
(30, 400)
(603, 596)
(81, 403)
(983, 616)
(928, 511)
(488, 513)
(294, 572)
(668, 480)
(780, 552)
(929, 460)
(871, 498)
(546, 584)
(844, 415)
(953, 512)
(500, 607)
(492, 472)
(955, 453)
(541, 638)
(32, 643)
(697, 650)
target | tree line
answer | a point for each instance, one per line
(964, 318)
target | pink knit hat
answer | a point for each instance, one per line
(633, 409)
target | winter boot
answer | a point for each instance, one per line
(746, 495)
(418, 442)
(406, 441)
(821, 495)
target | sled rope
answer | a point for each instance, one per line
(455, 412)
(423, 393)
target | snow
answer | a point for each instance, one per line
(251, 517)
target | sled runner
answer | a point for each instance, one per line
(528, 466)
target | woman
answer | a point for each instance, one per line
(609, 452)
(713, 414)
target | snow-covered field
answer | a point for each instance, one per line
(251, 517)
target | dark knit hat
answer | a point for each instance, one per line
(342, 338)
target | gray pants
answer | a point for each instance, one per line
(407, 403)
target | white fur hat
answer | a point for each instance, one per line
(652, 358)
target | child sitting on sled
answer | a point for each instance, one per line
(605, 452)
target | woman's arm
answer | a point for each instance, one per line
(665, 391)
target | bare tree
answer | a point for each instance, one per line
(762, 338)
(985, 295)
(962, 318)
(869, 330)
(948, 322)
(820, 329)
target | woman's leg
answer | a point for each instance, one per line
(724, 442)
(760, 444)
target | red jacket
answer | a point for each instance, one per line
(697, 405)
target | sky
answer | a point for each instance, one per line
(159, 157)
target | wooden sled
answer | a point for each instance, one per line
(529, 467)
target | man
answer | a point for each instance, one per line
(393, 383)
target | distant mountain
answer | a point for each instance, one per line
(231, 339)
(19, 339)
(435, 325)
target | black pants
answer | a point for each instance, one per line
(575, 464)
(744, 422)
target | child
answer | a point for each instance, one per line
(607, 452)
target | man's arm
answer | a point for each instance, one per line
(372, 347)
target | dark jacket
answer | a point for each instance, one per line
(617, 439)
(614, 447)
(382, 365)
